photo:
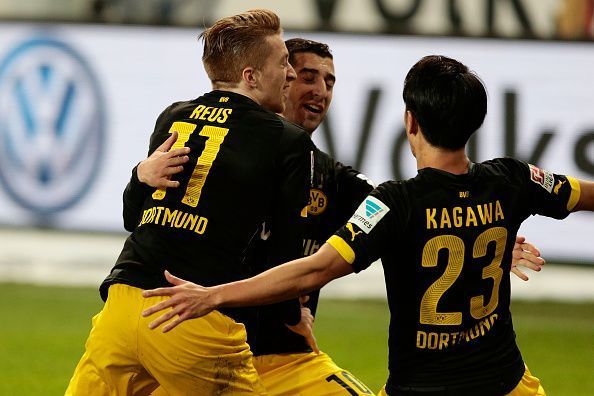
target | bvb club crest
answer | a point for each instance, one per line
(317, 202)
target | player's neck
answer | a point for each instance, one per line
(455, 162)
(236, 88)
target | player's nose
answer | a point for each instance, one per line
(291, 75)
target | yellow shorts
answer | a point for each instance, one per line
(306, 374)
(528, 386)
(123, 356)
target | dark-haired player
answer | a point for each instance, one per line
(445, 239)
(283, 358)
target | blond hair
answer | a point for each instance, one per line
(238, 41)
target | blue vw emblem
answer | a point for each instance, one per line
(51, 125)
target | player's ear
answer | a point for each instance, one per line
(410, 123)
(249, 76)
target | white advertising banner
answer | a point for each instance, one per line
(78, 104)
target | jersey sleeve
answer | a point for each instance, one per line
(369, 231)
(352, 188)
(134, 195)
(136, 192)
(549, 194)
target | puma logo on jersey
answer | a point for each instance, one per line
(558, 186)
(349, 226)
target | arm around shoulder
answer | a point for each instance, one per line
(290, 280)
(133, 198)
(188, 300)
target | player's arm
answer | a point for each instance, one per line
(286, 281)
(305, 326)
(349, 250)
(153, 172)
(553, 195)
(188, 300)
(157, 169)
(133, 198)
(586, 199)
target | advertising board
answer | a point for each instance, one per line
(78, 104)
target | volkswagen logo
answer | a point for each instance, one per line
(51, 125)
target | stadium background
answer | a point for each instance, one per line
(81, 84)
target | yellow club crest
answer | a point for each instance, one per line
(317, 202)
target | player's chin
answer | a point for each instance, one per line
(277, 107)
(312, 121)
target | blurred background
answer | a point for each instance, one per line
(81, 85)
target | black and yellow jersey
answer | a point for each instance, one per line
(336, 190)
(246, 165)
(446, 244)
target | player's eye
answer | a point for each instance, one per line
(309, 77)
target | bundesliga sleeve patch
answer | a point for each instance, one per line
(542, 177)
(369, 213)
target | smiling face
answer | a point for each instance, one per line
(310, 94)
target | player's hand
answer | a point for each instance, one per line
(525, 255)
(188, 301)
(157, 169)
(305, 329)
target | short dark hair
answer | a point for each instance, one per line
(301, 45)
(448, 100)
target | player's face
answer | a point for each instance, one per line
(277, 75)
(311, 93)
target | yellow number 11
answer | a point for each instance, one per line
(215, 136)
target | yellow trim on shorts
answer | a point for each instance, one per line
(342, 248)
(529, 385)
(575, 193)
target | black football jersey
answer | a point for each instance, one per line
(336, 190)
(246, 165)
(446, 244)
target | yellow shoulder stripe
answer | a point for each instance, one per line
(342, 248)
(574, 197)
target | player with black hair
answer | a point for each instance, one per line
(446, 240)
